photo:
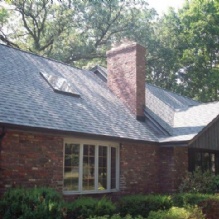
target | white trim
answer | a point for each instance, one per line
(80, 180)
(117, 166)
(96, 164)
(108, 168)
(109, 145)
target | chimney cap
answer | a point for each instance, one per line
(123, 42)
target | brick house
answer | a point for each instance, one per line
(99, 131)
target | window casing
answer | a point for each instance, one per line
(90, 166)
(205, 160)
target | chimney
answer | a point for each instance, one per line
(126, 76)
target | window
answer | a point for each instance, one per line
(59, 84)
(90, 167)
(204, 160)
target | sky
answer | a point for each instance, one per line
(161, 6)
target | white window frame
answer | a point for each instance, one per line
(109, 145)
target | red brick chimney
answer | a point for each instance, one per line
(126, 76)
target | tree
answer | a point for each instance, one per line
(3, 20)
(40, 23)
(200, 37)
(186, 58)
(163, 58)
(73, 31)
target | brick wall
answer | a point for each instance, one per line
(29, 159)
(173, 166)
(126, 76)
(139, 168)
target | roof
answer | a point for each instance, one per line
(28, 100)
(174, 117)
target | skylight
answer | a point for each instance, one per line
(59, 84)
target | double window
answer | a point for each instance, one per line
(204, 160)
(90, 167)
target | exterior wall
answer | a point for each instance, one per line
(126, 76)
(36, 159)
(209, 139)
(173, 166)
(139, 168)
(29, 159)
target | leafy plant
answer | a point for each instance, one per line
(177, 213)
(87, 207)
(199, 182)
(37, 203)
(185, 199)
(142, 204)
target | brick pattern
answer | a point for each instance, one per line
(36, 159)
(30, 159)
(139, 168)
(126, 76)
(173, 166)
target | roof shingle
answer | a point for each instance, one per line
(28, 100)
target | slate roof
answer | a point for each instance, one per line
(28, 100)
(174, 117)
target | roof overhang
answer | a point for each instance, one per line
(66, 133)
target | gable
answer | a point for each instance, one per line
(208, 138)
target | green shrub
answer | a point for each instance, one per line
(85, 207)
(210, 207)
(177, 213)
(142, 204)
(184, 199)
(37, 203)
(116, 216)
(199, 182)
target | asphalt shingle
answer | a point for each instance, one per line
(28, 100)
(182, 118)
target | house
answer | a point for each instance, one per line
(99, 131)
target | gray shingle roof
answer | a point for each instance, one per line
(28, 100)
(182, 118)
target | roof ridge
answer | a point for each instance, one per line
(214, 102)
(189, 98)
(35, 54)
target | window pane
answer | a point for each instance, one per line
(71, 170)
(113, 168)
(88, 167)
(205, 161)
(102, 171)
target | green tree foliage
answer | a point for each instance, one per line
(73, 31)
(163, 52)
(3, 20)
(200, 55)
(189, 43)
(40, 23)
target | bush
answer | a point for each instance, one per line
(86, 207)
(142, 204)
(199, 182)
(185, 199)
(210, 207)
(177, 213)
(37, 203)
(117, 216)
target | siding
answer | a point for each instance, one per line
(209, 139)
